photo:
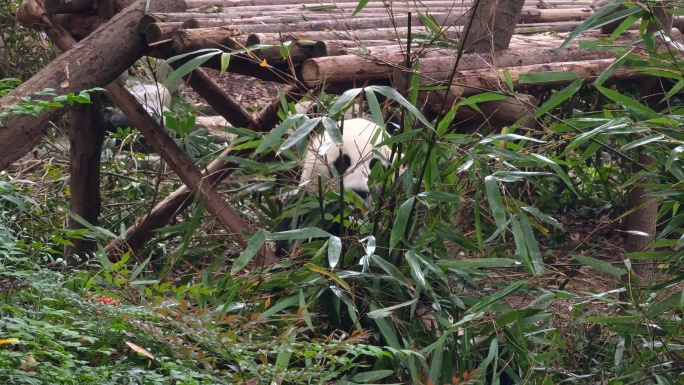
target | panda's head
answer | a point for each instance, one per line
(358, 156)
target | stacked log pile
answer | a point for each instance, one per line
(331, 45)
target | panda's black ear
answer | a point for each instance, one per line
(374, 161)
(342, 164)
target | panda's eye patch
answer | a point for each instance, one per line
(375, 161)
(342, 164)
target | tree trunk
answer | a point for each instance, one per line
(82, 67)
(492, 25)
(86, 135)
(641, 222)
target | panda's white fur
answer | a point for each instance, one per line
(360, 138)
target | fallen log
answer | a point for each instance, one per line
(187, 41)
(69, 6)
(270, 25)
(192, 4)
(436, 71)
(470, 82)
(377, 64)
(519, 107)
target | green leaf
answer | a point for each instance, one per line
(558, 170)
(613, 320)
(509, 80)
(387, 311)
(334, 251)
(430, 23)
(282, 304)
(547, 77)
(329, 274)
(306, 233)
(390, 269)
(559, 97)
(343, 101)
(532, 245)
(605, 75)
(672, 302)
(301, 133)
(601, 266)
(386, 329)
(495, 202)
(403, 215)
(643, 141)
(498, 137)
(397, 97)
(521, 245)
(546, 218)
(485, 263)
(487, 302)
(600, 18)
(416, 271)
(225, 61)
(189, 66)
(366, 377)
(253, 247)
(674, 155)
(440, 196)
(272, 138)
(359, 7)
(629, 103)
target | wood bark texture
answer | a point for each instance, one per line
(82, 67)
(86, 136)
(493, 24)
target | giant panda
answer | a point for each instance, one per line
(359, 153)
(352, 161)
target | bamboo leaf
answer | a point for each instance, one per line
(547, 77)
(629, 103)
(306, 233)
(301, 133)
(280, 305)
(253, 246)
(189, 66)
(485, 263)
(643, 141)
(334, 251)
(387, 311)
(487, 302)
(416, 271)
(359, 7)
(559, 97)
(495, 202)
(601, 266)
(401, 222)
(440, 196)
(329, 274)
(272, 137)
(532, 244)
(540, 215)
